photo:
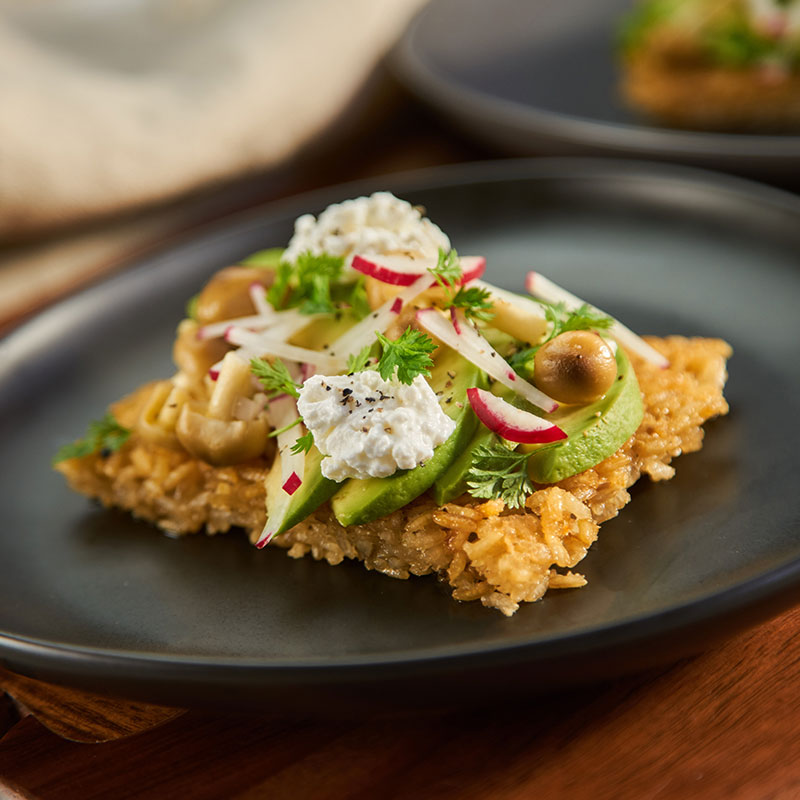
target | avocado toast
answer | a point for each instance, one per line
(728, 65)
(474, 472)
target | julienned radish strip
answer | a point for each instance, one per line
(282, 412)
(404, 270)
(263, 344)
(543, 288)
(258, 297)
(282, 324)
(363, 333)
(474, 347)
(510, 422)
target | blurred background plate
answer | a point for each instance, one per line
(96, 599)
(538, 77)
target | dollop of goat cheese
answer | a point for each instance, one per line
(367, 427)
(374, 225)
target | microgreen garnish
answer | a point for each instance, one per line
(279, 431)
(358, 361)
(303, 443)
(499, 472)
(306, 284)
(447, 270)
(274, 377)
(409, 354)
(104, 435)
(474, 300)
(359, 304)
(581, 319)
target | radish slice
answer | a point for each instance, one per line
(510, 422)
(404, 270)
(280, 323)
(263, 344)
(542, 287)
(258, 297)
(472, 345)
(283, 411)
(363, 333)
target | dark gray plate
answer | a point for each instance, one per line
(94, 598)
(537, 77)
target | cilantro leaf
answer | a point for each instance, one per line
(303, 443)
(475, 301)
(499, 472)
(409, 354)
(102, 435)
(358, 361)
(306, 284)
(583, 318)
(447, 270)
(274, 377)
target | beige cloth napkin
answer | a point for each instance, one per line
(107, 105)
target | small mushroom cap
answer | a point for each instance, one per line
(575, 367)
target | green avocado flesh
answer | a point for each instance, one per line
(285, 510)
(453, 482)
(364, 500)
(595, 431)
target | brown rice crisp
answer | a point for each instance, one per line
(482, 550)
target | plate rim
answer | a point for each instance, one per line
(771, 588)
(641, 140)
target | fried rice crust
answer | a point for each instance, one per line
(481, 550)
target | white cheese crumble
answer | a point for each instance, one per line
(376, 225)
(367, 427)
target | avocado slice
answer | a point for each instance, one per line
(608, 422)
(595, 431)
(452, 482)
(315, 488)
(364, 500)
(285, 510)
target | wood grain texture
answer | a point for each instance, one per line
(81, 716)
(724, 724)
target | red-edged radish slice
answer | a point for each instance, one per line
(263, 344)
(404, 270)
(258, 297)
(545, 289)
(282, 412)
(474, 347)
(510, 422)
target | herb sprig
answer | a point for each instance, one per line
(104, 435)
(409, 354)
(359, 361)
(448, 270)
(474, 301)
(497, 471)
(306, 284)
(303, 444)
(274, 376)
(582, 318)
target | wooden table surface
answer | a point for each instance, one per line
(725, 724)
